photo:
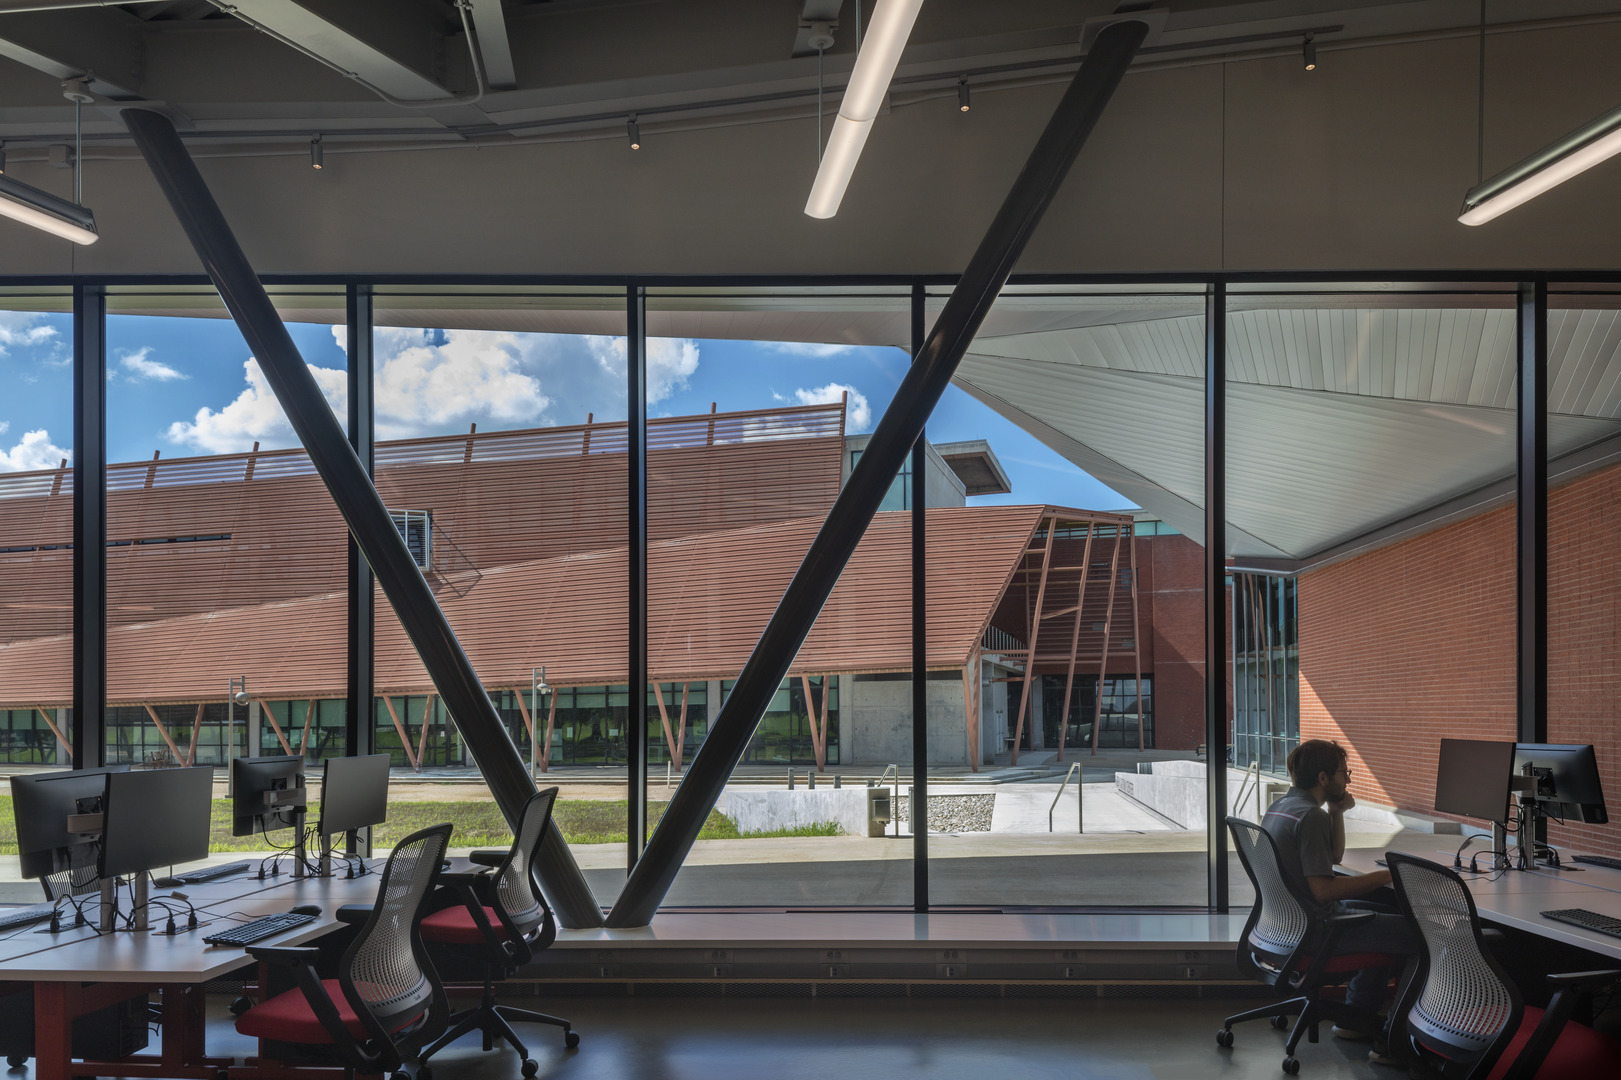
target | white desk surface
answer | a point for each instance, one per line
(1516, 898)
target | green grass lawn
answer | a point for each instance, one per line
(478, 824)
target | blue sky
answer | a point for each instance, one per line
(188, 386)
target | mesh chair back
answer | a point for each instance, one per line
(1281, 919)
(1463, 1008)
(385, 971)
(515, 885)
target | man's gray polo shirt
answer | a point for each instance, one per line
(1304, 835)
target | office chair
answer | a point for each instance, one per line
(1290, 947)
(387, 1000)
(1461, 1018)
(504, 920)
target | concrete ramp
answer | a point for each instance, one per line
(1023, 808)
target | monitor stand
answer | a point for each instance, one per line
(109, 912)
(300, 853)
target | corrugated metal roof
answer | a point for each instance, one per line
(710, 595)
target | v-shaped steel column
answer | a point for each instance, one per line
(902, 424)
(357, 500)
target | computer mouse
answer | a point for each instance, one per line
(305, 909)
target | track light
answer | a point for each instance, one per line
(1546, 169)
(317, 158)
(42, 210)
(634, 132)
(2, 159)
(962, 93)
(1308, 53)
(886, 36)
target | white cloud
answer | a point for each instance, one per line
(143, 368)
(33, 451)
(22, 328)
(670, 362)
(427, 380)
(809, 348)
(255, 415)
(858, 414)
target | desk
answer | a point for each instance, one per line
(1516, 898)
(79, 971)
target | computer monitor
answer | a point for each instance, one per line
(42, 804)
(155, 818)
(354, 793)
(267, 793)
(1472, 778)
(1567, 780)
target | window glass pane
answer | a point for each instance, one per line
(1584, 548)
(1064, 619)
(36, 526)
(1370, 458)
(226, 561)
(779, 390)
(502, 452)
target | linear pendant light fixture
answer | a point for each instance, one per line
(1546, 169)
(881, 47)
(31, 206)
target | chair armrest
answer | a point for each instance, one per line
(456, 879)
(284, 955)
(486, 858)
(1583, 981)
(1569, 988)
(1349, 918)
(353, 914)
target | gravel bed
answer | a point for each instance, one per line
(955, 813)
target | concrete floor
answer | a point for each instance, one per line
(741, 1038)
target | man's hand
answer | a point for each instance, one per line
(1343, 805)
(1326, 890)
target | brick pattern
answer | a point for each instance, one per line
(1415, 642)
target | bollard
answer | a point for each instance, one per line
(838, 781)
(790, 779)
(810, 780)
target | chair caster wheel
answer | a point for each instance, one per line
(530, 1067)
(1224, 1037)
(571, 1039)
(16, 1061)
(241, 1005)
(1281, 1023)
(1291, 1066)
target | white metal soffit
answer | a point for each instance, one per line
(1340, 421)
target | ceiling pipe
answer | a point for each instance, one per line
(7, 7)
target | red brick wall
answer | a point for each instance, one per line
(1176, 627)
(1415, 641)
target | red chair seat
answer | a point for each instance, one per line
(287, 1017)
(1580, 1051)
(455, 926)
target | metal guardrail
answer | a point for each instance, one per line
(895, 799)
(1253, 773)
(1080, 800)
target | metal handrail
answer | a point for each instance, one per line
(895, 800)
(1080, 800)
(1243, 789)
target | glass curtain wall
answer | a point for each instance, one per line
(1584, 548)
(1081, 573)
(501, 451)
(1265, 645)
(758, 400)
(226, 559)
(36, 527)
(1371, 445)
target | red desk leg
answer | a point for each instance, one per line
(53, 1031)
(184, 1025)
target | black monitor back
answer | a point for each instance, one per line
(41, 803)
(155, 818)
(354, 793)
(1472, 778)
(1567, 780)
(251, 778)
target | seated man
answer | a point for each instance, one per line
(1310, 841)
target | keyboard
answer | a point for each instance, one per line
(258, 929)
(1597, 860)
(11, 919)
(1587, 920)
(210, 873)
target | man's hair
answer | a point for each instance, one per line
(1312, 757)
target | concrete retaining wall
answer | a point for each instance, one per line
(756, 810)
(1176, 790)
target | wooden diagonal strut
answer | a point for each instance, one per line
(309, 722)
(664, 718)
(173, 749)
(818, 728)
(405, 740)
(1035, 632)
(1075, 638)
(67, 747)
(269, 714)
(903, 422)
(1103, 659)
(427, 723)
(196, 729)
